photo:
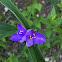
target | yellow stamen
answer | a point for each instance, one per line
(33, 34)
(21, 31)
(30, 37)
(33, 37)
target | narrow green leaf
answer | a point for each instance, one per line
(36, 54)
(61, 46)
(9, 33)
(15, 11)
(4, 28)
(32, 53)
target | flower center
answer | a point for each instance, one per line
(20, 32)
(31, 37)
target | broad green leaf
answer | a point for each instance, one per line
(45, 21)
(34, 1)
(59, 21)
(37, 24)
(34, 7)
(31, 23)
(37, 6)
(60, 4)
(25, 13)
(52, 15)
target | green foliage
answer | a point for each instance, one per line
(52, 2)
(16, 12)
(31, 19)
(5, 29)
(12, 58)
(1, 17)
(37, 6)
(20, 17)
(52, 15)
(60, 5)
(31, 10)
(2, 44)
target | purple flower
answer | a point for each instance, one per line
(19, 36)
(31, 36)
(34, 38)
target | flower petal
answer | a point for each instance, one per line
(29, 33)
(20, 27)
(29, 42)
(40, 39)
(16, 37)
(23, 39)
